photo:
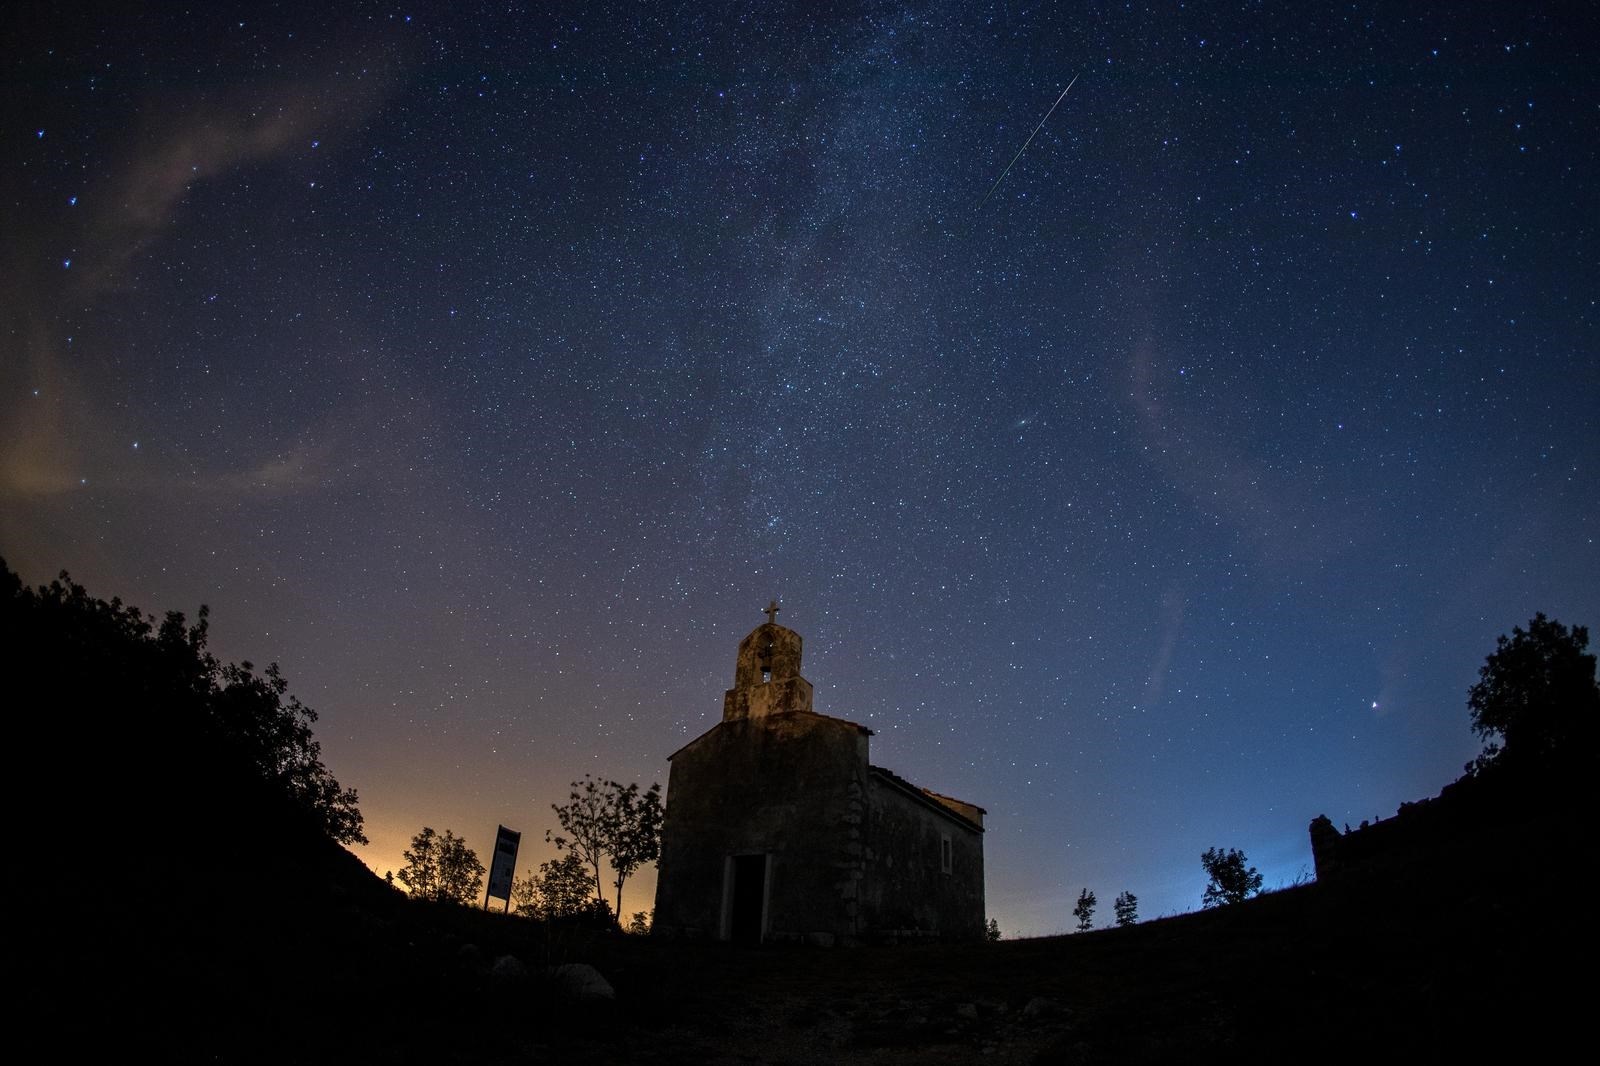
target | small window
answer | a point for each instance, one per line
(945, 855)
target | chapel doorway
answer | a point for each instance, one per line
(748, 894)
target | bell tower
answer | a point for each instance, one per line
(766, 677)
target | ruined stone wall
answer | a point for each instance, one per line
(788, 786)
(1452, 831)
(905, 890)
(1414, 829)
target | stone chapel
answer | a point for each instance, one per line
(778, 827)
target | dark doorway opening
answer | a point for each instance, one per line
(749, 898)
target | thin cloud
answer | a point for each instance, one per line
(1199, 459)
(1155, 686)
(193, 141)
(52, 426)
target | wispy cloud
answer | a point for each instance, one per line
(52, 419)
(196, 140)
(1172, 605)
(1198, 455)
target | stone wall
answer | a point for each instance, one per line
(906, 890)
(788, 786)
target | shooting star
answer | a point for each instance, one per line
(1027, 142)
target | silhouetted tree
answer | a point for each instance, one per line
(442, 868)
(565, 884)
(992, 930)
(608, 821)
(1084, 911)
(525, 901)
(420, 874)
(596, 914)
(635, 831)
(1536, 699)
(560, 889)
(584, 818)
(1127, 907)
(639, 924)
(1231, 880)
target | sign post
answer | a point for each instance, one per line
(502, 866)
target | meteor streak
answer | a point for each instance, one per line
(1027, 142)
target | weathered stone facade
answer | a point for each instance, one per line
(779, 828)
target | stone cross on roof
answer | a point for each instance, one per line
(772, 610)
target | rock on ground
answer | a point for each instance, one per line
(582, 981)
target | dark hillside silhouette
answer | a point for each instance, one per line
(150, 710)
(1537, 705)
(181, 829)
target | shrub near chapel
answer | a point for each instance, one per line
(442, 868)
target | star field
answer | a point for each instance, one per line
(490, 370)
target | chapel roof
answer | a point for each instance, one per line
(781, 714)
(936, 801)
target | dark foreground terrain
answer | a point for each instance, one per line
(1464, 949)
(177, 897)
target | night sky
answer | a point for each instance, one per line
(491, 369)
